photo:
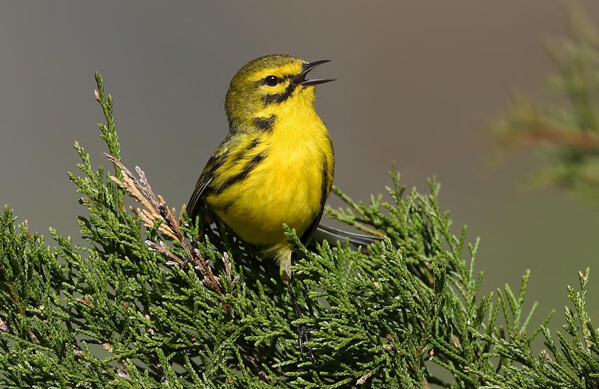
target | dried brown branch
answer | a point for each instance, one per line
(527, 125)
(4, 327)
(155, 211)
(581, 140)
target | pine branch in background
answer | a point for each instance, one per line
(568, 138)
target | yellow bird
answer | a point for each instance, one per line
(276, 164)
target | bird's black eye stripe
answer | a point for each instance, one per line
(272, 80)
(279, 97)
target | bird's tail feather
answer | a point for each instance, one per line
(334, 235)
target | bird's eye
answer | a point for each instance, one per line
(271, 80)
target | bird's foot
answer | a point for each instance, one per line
(303, 335)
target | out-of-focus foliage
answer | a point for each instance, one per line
(567, 133)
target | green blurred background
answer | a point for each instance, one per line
(417, 84)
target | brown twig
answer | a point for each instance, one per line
(581, 140)
(527, 125)
(155, 210)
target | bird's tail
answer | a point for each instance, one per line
(334, 235)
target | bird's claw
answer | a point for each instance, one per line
(303, 335)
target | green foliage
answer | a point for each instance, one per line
(569, 363)
(122, 312)
(567, 138)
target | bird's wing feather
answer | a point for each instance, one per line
(309, 233)
(216, 160)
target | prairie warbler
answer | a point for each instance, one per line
(276, 164)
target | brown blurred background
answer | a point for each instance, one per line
(417, 84)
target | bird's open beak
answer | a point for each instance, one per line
(300, 79)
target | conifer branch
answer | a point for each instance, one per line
(156, 212)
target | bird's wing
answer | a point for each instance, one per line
(309, 233)
(216, 160)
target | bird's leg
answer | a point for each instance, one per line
(303, 332)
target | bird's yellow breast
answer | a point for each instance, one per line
(286, 185)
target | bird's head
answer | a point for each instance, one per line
(267, 84)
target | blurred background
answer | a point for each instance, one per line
(417, 84)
